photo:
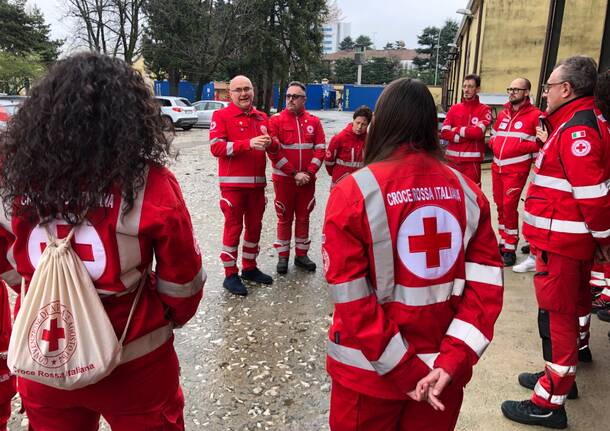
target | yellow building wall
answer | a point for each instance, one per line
(583, 26)
(437, 93)
(513, 43)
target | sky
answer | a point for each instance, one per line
(382, 20)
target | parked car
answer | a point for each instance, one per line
(177, 112)
(205, 109)
(8, 108)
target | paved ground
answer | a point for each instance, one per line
(257, 363)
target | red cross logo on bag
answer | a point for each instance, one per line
(429, 242)
(52, 336)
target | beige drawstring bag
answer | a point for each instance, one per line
(62, 336)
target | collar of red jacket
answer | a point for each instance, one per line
(236, 111)
(288, 113)
(565, 111)
(527, 105)
(471, 102)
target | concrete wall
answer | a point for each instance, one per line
(583, 26)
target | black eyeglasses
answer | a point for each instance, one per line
(548, 85)
(294, 96)
(515, 90)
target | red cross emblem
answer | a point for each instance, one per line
(431, 242)
(84, 251)
(581, 148)
(53, 335)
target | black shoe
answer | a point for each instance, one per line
(282, 265)
(256, 276)
(509, 258)
(525, 249)
(529, 380)
(584, 355)
(305, 262)
(604, 315)
(526, 412)
(234, 285)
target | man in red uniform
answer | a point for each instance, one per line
(464, 129)
(301, 146)
(513, 141)
(566, 219)
(345, 153)
(239, 138)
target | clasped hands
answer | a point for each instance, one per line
(430, 388)
(260, 142)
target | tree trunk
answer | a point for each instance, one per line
(174, 82)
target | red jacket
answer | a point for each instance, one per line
(230, 132)
(567, 206)
(117, 250)
(464, 130)
(345, 154)
(413, 269)
(300, 143)
(513, 138)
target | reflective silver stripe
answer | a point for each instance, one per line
(520, 135)
(512, 160)
(282, 242)
(426, 295)
(213, 141)
(11, 277)
(462, 153)
(146, 343)
(281, 163)
(250, 256)
(446, 127)
(228, 264)
(229, 248)
(298, 239)
(554, 225)
(282, 248)
(348, 356)
(229, 149)
(350, 290)
(350, 164)
(250, 244)
(473, 212)
(484, 274)
(392, 355)
(606, 291)
(551, 182)
(316, 161)
(512, 231)
(584, 320)
(599, 283)
(501, 226)
(543, 393)
(302, 246)
(456, 139)
(561, 369)
(597, 274)
(245, 180)
(590, 192)
(380, 233)
(128, 244)
(428, 358)
(278, 172)
(469, 334)
(296, 146)
(462, 131)
(327, 163)
(482, 126)
(319, 147)
(182, 290)
(600, 234)
(509, 246)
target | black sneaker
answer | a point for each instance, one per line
(282, 265)
(526, 412)
(584, 355)
(509, 258)
(234, 285)
(529, 380)
(256, 275)
(604, 315)
(305, 262)
(525, 249)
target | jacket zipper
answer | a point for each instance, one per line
(506, 137)
(299, 133)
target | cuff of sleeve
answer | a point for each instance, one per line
(460, 371)
(242, 145)
(406, 376)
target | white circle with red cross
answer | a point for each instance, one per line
(518, 125)
(310, 129)
(86, 242)
(429, 242)
(581, 148)
(475, 120)
(52, 336)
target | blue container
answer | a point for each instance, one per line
(355, 96)
(186, 89)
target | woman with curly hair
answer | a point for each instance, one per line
(87, 152)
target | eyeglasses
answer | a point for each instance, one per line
(548, 85)
(294, 96)
(515, 90)
(241, 90)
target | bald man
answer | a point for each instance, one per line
(239, 139)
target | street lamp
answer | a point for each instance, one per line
(466, 12)
(359, 60)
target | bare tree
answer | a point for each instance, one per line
(112, 27)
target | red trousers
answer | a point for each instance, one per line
(143, 394)
(241, 207)
(7, 382)
(507, 188)
(293, 202)
(353, 411)
(471, 169)
(563, 294)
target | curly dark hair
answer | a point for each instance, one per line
(89, 126)
(363, 111)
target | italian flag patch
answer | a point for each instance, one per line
(578, 135)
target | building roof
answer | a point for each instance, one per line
(404, 54)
